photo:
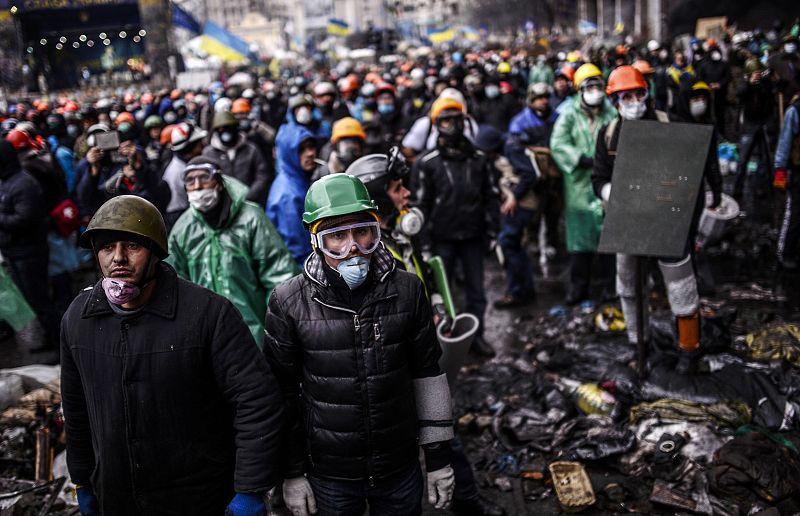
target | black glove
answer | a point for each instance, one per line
(716, 199)
(586, 162)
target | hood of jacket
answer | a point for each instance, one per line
(237, 191)
(217, 143)
(288, 141)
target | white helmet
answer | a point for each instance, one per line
(653, 45)
(324, 88)
(249, 94)
(417, 74)
(452, 93)
(185, 133)
(222, 104)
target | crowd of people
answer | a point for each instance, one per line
(298, 200)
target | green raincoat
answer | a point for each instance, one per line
(13, 308)
(242, 261)
(574, 135)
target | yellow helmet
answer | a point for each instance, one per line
(700, 86)
(347, 127)
(584, 72)
(573, 56)
(443, 104)
(504, 68)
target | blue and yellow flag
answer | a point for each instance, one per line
(441, 34)
(217, 41)
(338, 27)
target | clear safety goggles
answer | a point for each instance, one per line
(338, 241)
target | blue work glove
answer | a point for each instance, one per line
(87, 502)
(244, 504)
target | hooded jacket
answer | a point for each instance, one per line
(242, 261)
(244, 162)
(288, 194)
(23, 219)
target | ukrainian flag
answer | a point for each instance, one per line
(338, 27)
(218, 42)
(470, 34)
(441, 34)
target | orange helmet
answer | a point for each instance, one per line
(21, 140)
(240, 106)
(625, 78)
(347, 127)
(348, 84)
(124, 118)
(443, 104)
(166, 135)
(643, 67)
(505, 54)
(568, 72)
(372, 77)
(175, 94)
(42, 106)
(71, 107)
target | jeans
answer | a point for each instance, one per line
(519, 270)
(397, 495)
(470, 254)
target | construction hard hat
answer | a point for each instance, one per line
(643, 66)
(175, 94)
(753, 65)
(653, 45)
(347, 127)
(124, 118)
(573, 57)
(153, 121)
(348, 84)
(504, 68)
(300, 100)
(71, 107)
(701, 86)
(186, 133)
(586, 71)
(567, 72)
(223, 119)
(129, 214)
(538, 89)
(166, 135)
(445, 104)
(223, 104)
(21, 140)
(335, 195)
(385, 87)
(625, 78)
(324, 88)
(240, 106)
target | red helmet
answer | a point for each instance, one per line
(21, 140)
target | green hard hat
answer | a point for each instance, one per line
(129, 214)
(153, 121)
(753, 65)
(223, 119)
(335, 195)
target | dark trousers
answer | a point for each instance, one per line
(466, 488)
(469, 253)
(580, 273)
(790, 229)
(519, 270)
(754, 191)
(30, 275)
(393, 496)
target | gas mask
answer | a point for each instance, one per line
(303, 115)
(410, 221)
(698, 107)
(593, 97)
(228, 136)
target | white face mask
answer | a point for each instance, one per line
(203, 200)
(492, 91)
(790, 48)
(716, 56)
(593, 97)
(303, 115)
(697, 108)
(632, 110)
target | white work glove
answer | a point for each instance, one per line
(441, 484)
(299, 497)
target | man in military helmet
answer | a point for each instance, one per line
(352, 344)
(169, 406)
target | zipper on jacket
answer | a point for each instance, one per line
(131, 457)
(356, 322)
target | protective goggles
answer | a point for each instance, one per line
(632, 96)
(338, 241)
(205, 173)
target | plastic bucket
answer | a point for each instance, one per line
(713, 223)
(456, 345)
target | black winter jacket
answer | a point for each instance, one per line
(23, 219)
(459, 197)
(168, 410)
(346, 374)
(248, 166)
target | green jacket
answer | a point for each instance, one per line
(242, 261)
(574, 135)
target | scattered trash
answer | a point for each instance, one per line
(572, 485)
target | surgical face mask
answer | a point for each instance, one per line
(593, 97)
(228, 136)
(203, 200)
(354, 271)
(120, 292)
(410, 221)
(663, 55)
(73, 130)
(716, 56)
(698, 108)
(632, 110)
(386, 109)
(790, 48)
(170, 117)
(492, 92)
(245, 126)
(303, 115)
